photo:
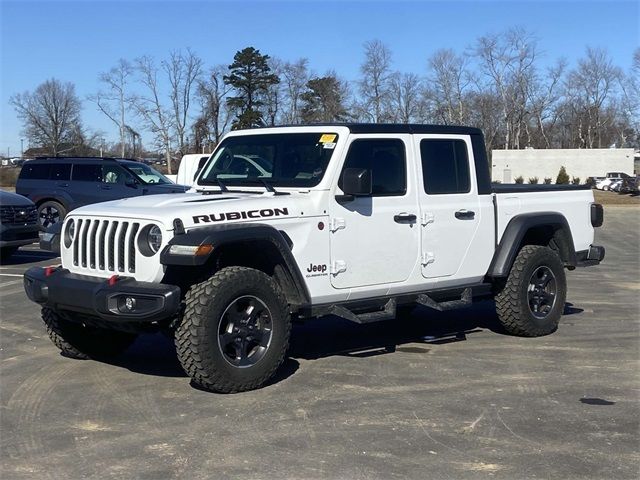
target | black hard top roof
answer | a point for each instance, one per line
(82, 159)
(396, 128)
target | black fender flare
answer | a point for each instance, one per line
(221, 235)
(517, 228)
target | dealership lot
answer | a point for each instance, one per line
(437, 395)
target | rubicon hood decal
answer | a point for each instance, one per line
(241, 215)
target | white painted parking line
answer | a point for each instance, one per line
(11, 275)
(6, 284)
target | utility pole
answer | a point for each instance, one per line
(21, 148)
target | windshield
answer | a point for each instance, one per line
(282, 160)
(146, 173)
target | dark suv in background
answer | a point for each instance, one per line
(18, 223)
(58, 185)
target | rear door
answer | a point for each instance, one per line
(375, 238)
(449, 204)
(85, 178)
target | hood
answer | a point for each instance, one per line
(166, 187)
(13, 199)
(197, 209)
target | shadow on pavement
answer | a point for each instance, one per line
(332, 336)
(22, 257)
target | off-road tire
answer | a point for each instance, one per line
(84, 342)
(512, 304)
(196, 337)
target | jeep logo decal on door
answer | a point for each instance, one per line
(220, 217)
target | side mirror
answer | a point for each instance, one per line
(130, 182)
(356, 182)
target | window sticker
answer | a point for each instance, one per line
(329, 146)
(328, 138)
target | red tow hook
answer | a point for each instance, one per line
(112, 280)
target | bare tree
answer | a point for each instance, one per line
(589, 87)
(374, 83)
(294, 77)
(274, 94)
(183, 70)
(155, 115)
(50, 115)
(114, 102)
(544, 97)
(508, 61)
(215, 117)
(404, 97)
(449, 81)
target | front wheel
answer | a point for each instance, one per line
(531, 301)
(50, 213)
(235, 330)
(76, 340)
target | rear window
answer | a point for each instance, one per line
(37, 171)
(87, 173)
(60, 171)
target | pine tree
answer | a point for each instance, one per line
(563, 177)
(250, 77)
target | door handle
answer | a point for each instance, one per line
(105, 187)
(465, 214)
(63, 184)
(405, 218)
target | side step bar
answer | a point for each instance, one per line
(465, 300)
(387, 313)
(389, 310)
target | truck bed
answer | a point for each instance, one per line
(528, 187)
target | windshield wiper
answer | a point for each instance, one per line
(223, 187)
(268, 187)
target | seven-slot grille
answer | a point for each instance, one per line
(10, 215)
(105, 245)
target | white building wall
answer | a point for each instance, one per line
(506, 165)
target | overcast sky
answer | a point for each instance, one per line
(74, 41)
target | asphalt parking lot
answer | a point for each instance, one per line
(439, 395)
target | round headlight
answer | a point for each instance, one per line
(154, 238)
(70, 232)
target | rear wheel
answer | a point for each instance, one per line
(235, 330)
(76, 340)
(531, 301)
(50, 213)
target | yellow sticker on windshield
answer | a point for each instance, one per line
(328, 138)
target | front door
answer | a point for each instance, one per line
(450, 210)
(375, 239)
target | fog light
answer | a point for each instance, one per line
(130, 303)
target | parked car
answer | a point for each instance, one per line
(615, 185)
(18, 223)
(630, 185)
(605, 184)
(59, 185)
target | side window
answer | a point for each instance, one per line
(445, 166)
(38, 171)
(87, 173)
(112, 174)
(387, 161)
(60, 171)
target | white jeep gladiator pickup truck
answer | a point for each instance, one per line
(297, 222)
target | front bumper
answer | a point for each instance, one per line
(18, 235)
(123, 300)
(593, 256)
